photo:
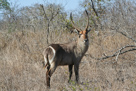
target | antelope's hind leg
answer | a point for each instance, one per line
(50, 71)
(44, 65)
(48, 76)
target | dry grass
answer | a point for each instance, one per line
(21, 64)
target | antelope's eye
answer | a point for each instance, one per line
(80, 35)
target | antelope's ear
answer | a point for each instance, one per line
(88, 30)
(76, 31)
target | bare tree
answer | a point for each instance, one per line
(120, 19)
(48, 19)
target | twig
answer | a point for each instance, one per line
(118, 55)
(127, 36)
(119, 51)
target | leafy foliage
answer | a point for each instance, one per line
(4, 4)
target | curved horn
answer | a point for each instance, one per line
(87, 20)
(78, 29)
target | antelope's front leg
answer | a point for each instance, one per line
(70, 72)
(76, 69)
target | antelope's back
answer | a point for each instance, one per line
(62, 54)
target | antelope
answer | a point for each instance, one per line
(67, 54)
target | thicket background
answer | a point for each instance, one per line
(109, 64)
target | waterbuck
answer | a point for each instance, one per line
(67, 54)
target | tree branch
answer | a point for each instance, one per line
(94, 8)
(45, 16)
(53, 16)
(117, 53)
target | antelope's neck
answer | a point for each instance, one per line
(81, 48)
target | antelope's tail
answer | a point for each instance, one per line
(44, 65)
(46, 61)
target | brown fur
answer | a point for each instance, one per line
(66, 54)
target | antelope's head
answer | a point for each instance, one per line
(83, 34)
